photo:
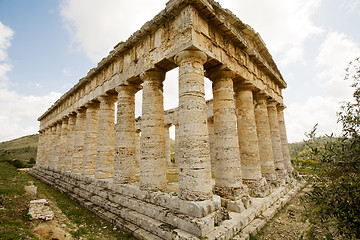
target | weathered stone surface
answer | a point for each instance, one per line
(241, 138)
(228, 182)
(39, 209)
(276, 139)
(104, 167)
(153, 162)
(124, 161)
(194, 153)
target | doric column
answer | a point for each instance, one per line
(194, 158)
(70, 140)
(137, 147)
(264, 138)
(284, 141)
(47, 145)
(167, 144)
(124, 165)
(79, 140)
(248, 142)
(152, 163)
(104, 168)
(57, 144)
(91, 135)
(177, 147)
(275, 138)
(210, 123)
(40, 149)
(62, 142)
(228, 181)
(52, 146)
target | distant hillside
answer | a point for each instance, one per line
(20, 152)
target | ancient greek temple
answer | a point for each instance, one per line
(231, 153)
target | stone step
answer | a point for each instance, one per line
(196, 226)
(152, 218)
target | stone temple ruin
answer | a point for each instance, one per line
(232, 154)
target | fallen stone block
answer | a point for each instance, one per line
(40, 209)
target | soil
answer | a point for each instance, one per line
(57, 228)
(289, 223)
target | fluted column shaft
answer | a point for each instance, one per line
(194, 158)
(210, 123)
(228, 180)
(137, 147)
(104, 167)
(153, 163)
(79, 140)
(124, 161)
(47, 145)
(248, 140)
(275, 137)
(284, 140)
(62, 143)
(177, 147)
(167, 144)
(91, 135)
(264, 138)
(70, 138)
(57, 144)
(52, 146)
(40, 149)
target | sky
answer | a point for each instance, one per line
(46, 46)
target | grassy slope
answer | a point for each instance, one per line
(14, 221)
(22, 149)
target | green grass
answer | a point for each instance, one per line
(16, 224)
(20, 152)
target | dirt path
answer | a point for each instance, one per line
(289, 223)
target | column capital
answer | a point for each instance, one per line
(80, 110)
(244, 85)
(107, 98)
(132, 88)
(281, 107)
(260, 97)
(272, 102)
(92, 104)
(219, 72)
(190, 55)
(155, 74)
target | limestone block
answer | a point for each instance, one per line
(40, 209)
(235, 206)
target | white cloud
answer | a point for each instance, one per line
(19, 113)
(302, 116)
(284, 25)
(6, 35)
(335, 53)
(97, 26)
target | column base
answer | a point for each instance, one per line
(231, 193)
(284, 175)
(238, 205)
(234, 199)
(258, 188)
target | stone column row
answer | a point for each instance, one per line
(85, 142)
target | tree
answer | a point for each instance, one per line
(335, 197)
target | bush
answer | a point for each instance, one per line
(335, 197)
